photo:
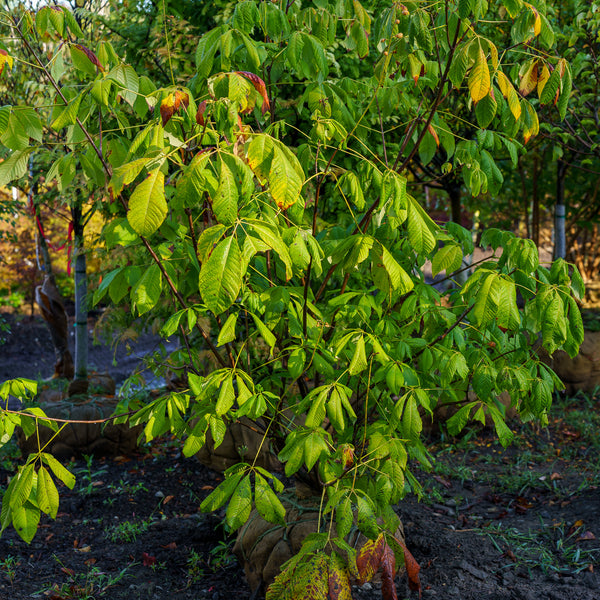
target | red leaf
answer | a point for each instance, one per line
(369, 558)
(259, 86)
(412, 569)
(200, 113)
(148, 560)
(388, 568)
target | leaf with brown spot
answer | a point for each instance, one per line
(91, 56)
(369, 558)
(339, 583)
(388, 572)
(259, 86)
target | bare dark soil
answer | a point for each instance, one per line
(515, 524)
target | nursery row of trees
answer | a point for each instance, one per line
(270, 202)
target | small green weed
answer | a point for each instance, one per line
(88, 477)
(8, 567)
(127, 531)
(92, 585)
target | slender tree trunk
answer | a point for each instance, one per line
(535, 205)
(81, 311)
(560, 245)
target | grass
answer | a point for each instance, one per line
(552, 549)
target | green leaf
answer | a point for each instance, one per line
(226, 397)
(227, 333)
(267, 503)
(146, 293)
(359, 359)
(47, 494)
(25, 520)
(220, 278)
(271, 236)
(449, 259)
(221, 493)
(505, 435)
(479, 79)
(225, 201)
(420, 228)
(344, 519)
(14, 167)
(265, 333)
(59, 471)
(147, 205)
(240, 505)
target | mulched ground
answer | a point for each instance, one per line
(515, 524)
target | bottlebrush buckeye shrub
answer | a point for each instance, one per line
(266, 212)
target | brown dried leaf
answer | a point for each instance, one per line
(388, 568)
(412, 569)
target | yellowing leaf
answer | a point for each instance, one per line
(537, 24)
(479, 79)
(542, 80)
(508, 91)
(529, 79)
(285, 182)
(5, 59)
(339, 583)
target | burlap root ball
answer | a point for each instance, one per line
(241, 443)
(262, 547)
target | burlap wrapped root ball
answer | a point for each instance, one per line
(262, 547)
(242, 442)
(76, 439)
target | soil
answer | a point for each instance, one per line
(496, 524)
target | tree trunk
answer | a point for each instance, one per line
(81, 312)
(535, 205)
(560, 245)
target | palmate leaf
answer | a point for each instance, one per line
(146, 293)
(449, 258)
(221, 276)
(147, 205)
